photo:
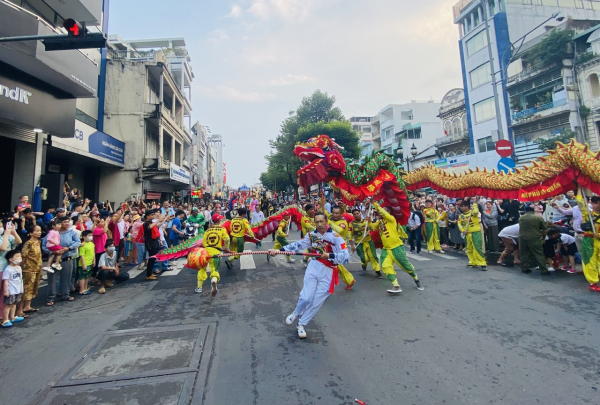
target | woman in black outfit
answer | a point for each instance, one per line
(508, 213)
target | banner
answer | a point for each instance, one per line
(224, 173)
(153, 195)
(179, 174)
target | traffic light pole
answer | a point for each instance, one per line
(34, 38)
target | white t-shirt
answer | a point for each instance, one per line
(121, 227)
(14, 275)
(510, 232)
(257, 217)
(566, 239)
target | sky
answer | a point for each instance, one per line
(254, 60)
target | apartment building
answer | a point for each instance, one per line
(362, 126)
(147, 104)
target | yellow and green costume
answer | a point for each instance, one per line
(341, 227)
(470, 221)
(432, 229)
(281, 236)
(393, 247)
(364, 247)
(215, 238)
(237, 230)
(590, 246)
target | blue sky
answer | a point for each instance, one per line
(254, 60)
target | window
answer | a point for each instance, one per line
(448, 128)
(486, 144)
(485, 110)
(414, 133)
(465, 124)
(456, 126)
(595, 85)
(387, 134)
(477, 43)
(481, 76)
(86, 119)
(366, 130)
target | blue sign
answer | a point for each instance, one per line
(440, 162)
(506, 165)
(103, 145)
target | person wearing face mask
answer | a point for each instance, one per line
(87, 261)
(108, 269)
(9, 240)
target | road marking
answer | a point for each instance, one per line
(247, 261)
(133, 273)
(417, 257)
(444, 256)
(173, 272)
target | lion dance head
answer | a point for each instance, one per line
(324, 161)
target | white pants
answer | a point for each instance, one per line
(315, 291)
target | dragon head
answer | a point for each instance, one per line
(324, 161)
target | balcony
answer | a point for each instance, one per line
(529, 73)
(530, 112)
(175, 123)
(460, 6)
(164, 164)
(137, 56)
(450, 139)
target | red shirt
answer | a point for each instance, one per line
(114, 229)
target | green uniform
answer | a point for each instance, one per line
(532, 230)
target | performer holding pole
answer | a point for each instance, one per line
(431, 228)
(362, 243)
(214, 240)
(239, 227)
(282, 234)
(321, 274)
(469, 226)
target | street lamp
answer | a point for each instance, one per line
(400, 155)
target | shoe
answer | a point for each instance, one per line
(301, 332)
(419, 285)
(379, 275)
(551, 268)
(395, 290)
(412, 251)
(198, 290)
(213, 283)
(571, 270)
(440, 251)
(151, 278)
(501, 264)
(429, 251)
(6, 324)
(364, 267)
(48, 270)
(526, 271)
(419, 253)
(349, 286)
(18, 319)
(594, 287)
(483, 268)
(290, 260)
(102, 290)
(109, 284)
(56, 266)
(470, 265)
(228, 264)
(86, 292)
(305, 263)
(291, 318)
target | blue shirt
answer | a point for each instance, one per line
(328, 207)
(48, 217)
(68, 239)
(177, 223)
(166, 213)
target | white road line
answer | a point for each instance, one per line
(417, 257)
(444, 256)
(133, 273)
(173, 272)
(247, 262)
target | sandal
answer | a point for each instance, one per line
(69, 299)
(23, 315)
(31, 310)
(6, 324)
(49, 303)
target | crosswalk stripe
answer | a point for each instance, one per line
(173, 272)
(133, 273)
(417, 257)
(247, 262)
(444, 256)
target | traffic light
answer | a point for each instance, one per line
(74, 28)
(77, 37)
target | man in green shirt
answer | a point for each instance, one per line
(197, 218)
(532, 231)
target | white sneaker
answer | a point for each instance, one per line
(430, 251)
(301, 332)
(551, 268)
(291, 318)
(441, 251)
(198, 290)
(290, 260)
(213, 283)
(395, 290)
(48, 269)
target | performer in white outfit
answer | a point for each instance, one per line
(321, 274)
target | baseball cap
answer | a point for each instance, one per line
(217, 218)
(94, 213)
(194, 209)
(60, 210)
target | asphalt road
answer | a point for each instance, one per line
(471, 337)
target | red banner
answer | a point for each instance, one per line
(153, 195)
(224, 173)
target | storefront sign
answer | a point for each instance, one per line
(89, 139)
(179, 174)
(30, 103)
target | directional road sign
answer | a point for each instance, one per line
(506, 165)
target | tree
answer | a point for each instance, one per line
(340, 131)
(315, 113)
(552, 49)
(550, 143)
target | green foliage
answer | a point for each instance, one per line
(316, 115)
(584, 112)
(550, 144)
(552, 49)
(584, 57)
(340, 131)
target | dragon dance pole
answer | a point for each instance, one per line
(266, 252)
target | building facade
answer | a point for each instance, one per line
(362, 126)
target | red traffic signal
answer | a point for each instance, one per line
(74, 28)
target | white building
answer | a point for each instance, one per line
(215, 143)
(415, 123)
(362, 126)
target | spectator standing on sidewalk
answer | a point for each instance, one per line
(100, 234)
(32, 271)
(532, 231)
(453, 231)
(414, 231)
(490, 222)
(70, 243)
